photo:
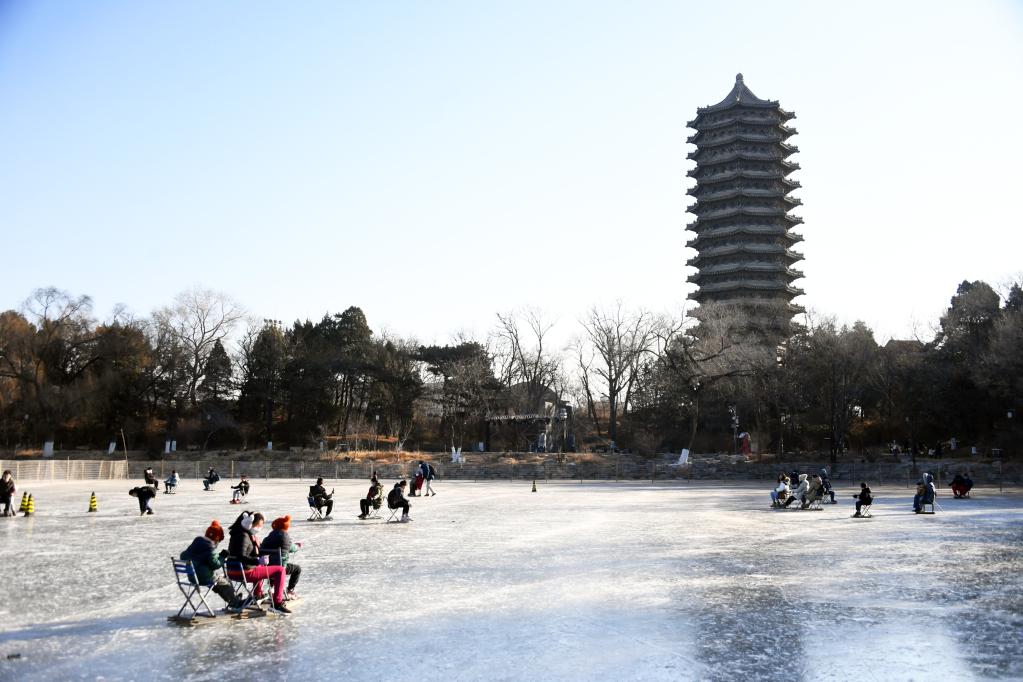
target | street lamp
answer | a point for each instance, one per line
(735, 428)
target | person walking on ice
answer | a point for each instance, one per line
(396, 500)
(429, 473)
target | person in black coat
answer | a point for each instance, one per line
(7, 491)
(279, 547)
(240, 490)
(864, 499)
(145, 495)
(320, 497)
(211, 477)
(243, 548)
(396, 500)
(150, 478)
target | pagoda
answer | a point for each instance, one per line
(743, 227)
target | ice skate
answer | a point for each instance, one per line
(279, 606)
(405, 519)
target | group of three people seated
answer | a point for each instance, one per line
(246, 558)
(808, 491)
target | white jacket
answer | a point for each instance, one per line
(804, 485)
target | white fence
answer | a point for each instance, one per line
(66, 470)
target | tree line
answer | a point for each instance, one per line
(204, 374)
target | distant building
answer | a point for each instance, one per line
(743, 227)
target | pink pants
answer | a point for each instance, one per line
(274, 573)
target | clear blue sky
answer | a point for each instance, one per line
(435, 163)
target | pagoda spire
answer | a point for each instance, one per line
(743, 232)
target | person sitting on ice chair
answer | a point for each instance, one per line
(863, 500)
(171, 482)
(814, 493)
(150, 478)
(211, 479)
(206, 561)
(373, 498)
(320, 497)
(800, 491)
(396, 500)
(241, 490)
(781, 493)
(924, 494)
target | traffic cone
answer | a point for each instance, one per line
(92, 502)
(24, 503)
(30, 508)
(534, 485)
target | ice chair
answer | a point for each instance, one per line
(184, 573)
(234, 571)
(815, 504)
(374, 509)
(864, 510)
(314, 512)
(394, 512)
(932, 504)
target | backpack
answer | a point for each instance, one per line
(433, 472)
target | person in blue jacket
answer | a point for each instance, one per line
(924, 493)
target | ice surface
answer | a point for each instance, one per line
(577, 581)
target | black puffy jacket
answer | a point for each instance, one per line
(242, 547)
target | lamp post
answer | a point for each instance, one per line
(735, 428)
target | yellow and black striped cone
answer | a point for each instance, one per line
(92, 503)
(534, 485)
(24, 503)
(30, 508)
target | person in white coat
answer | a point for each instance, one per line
(800, 491)
(780, 493)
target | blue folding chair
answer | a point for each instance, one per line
(184, 573)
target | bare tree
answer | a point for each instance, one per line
(615, 340)
(695, 359)
(197, 320)
(524, 356)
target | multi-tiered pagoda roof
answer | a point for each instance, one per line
(743, 227)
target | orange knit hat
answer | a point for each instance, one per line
(283, 523)
(215, 532)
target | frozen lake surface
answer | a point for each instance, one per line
(577, 581)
